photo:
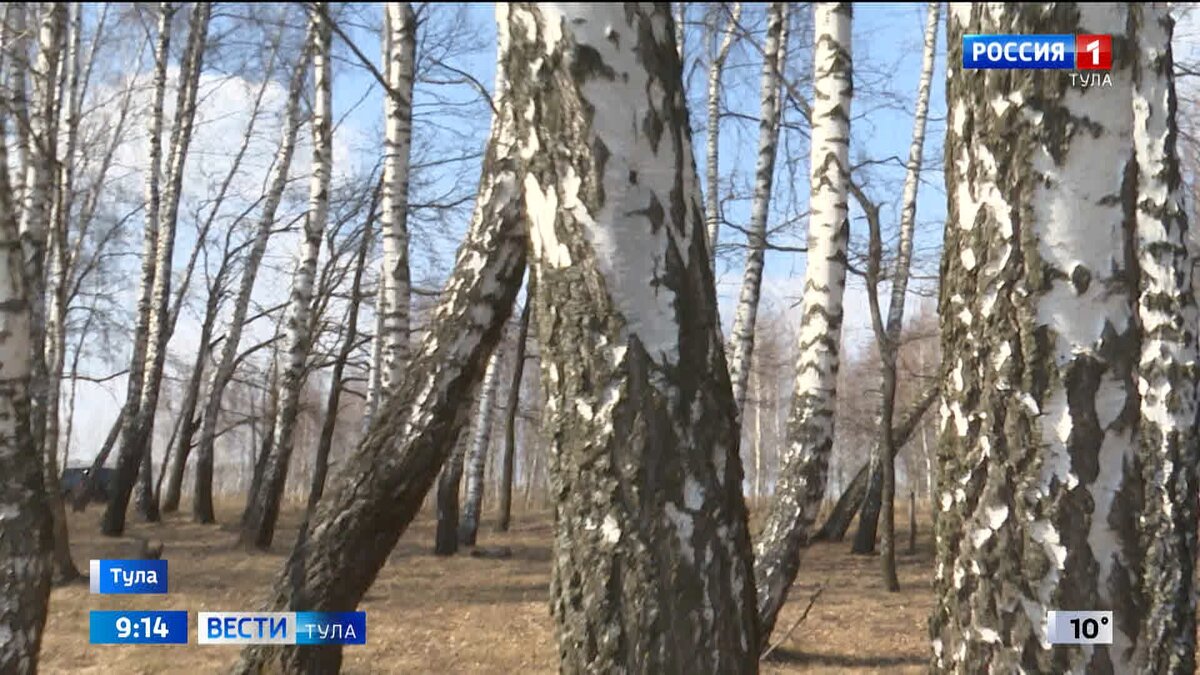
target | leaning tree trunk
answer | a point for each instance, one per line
(26, 530)
(847, 506)
(883, 470)
(128, 464)
(1069, 385)
(202, 498)
(741, 340)
(477, 452)
(258, 528)
(652, 567)
(141, 441)
(511, 410)
(801, 483)
(400, 34)
(712, 164)
(384, 481)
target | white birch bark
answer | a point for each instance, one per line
(1064, 258)
(712, 211)
(477, 452)
(26, 530)
(741, 341)
(263, 510)
(374, 375)
(202, 507)
(1168, 365)
(803, 474)
(652, 569)
(401, 40)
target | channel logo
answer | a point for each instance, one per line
(1037, 52)
(282, 628)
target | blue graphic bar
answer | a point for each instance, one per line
(128, 576)
(138, 628)
(1027, 52)
(331, 628)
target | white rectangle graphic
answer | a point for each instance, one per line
(246, 628)
(1079, 628)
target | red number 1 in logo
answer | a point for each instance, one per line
(1093, 52)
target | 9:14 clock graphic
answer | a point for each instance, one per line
(137, 628)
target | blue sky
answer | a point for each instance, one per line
(451, 126)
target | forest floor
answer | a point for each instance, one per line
(468, 615)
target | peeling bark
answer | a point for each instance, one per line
(651, 569)
(801, 483)
(1067, 271)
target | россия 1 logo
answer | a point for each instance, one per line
(1037, 52)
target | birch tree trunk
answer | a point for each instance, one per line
(26, 532)
(1067, 270)
(741, 341)
(384, 481)
(375, 376)
(802, 477)
(712, 166)
(202, 504)
(401, 38)
(1166, 311)
(476, 459)
(161, 323)
(445, 540)
(652, 565)
(113, 523)
(263, 510)
(511, 410)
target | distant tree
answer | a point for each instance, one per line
(262, 512)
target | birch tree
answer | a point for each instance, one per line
(26, 531)
(741, 341)
(477, 452)
(383, 482)
(652, 568)
(888, 336)
(401, 45)
(1068, 424)
(712, 164)
(113, 523)
(222, 370)
(263, 510)
(801, 483)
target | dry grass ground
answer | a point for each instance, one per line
(468, 615)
